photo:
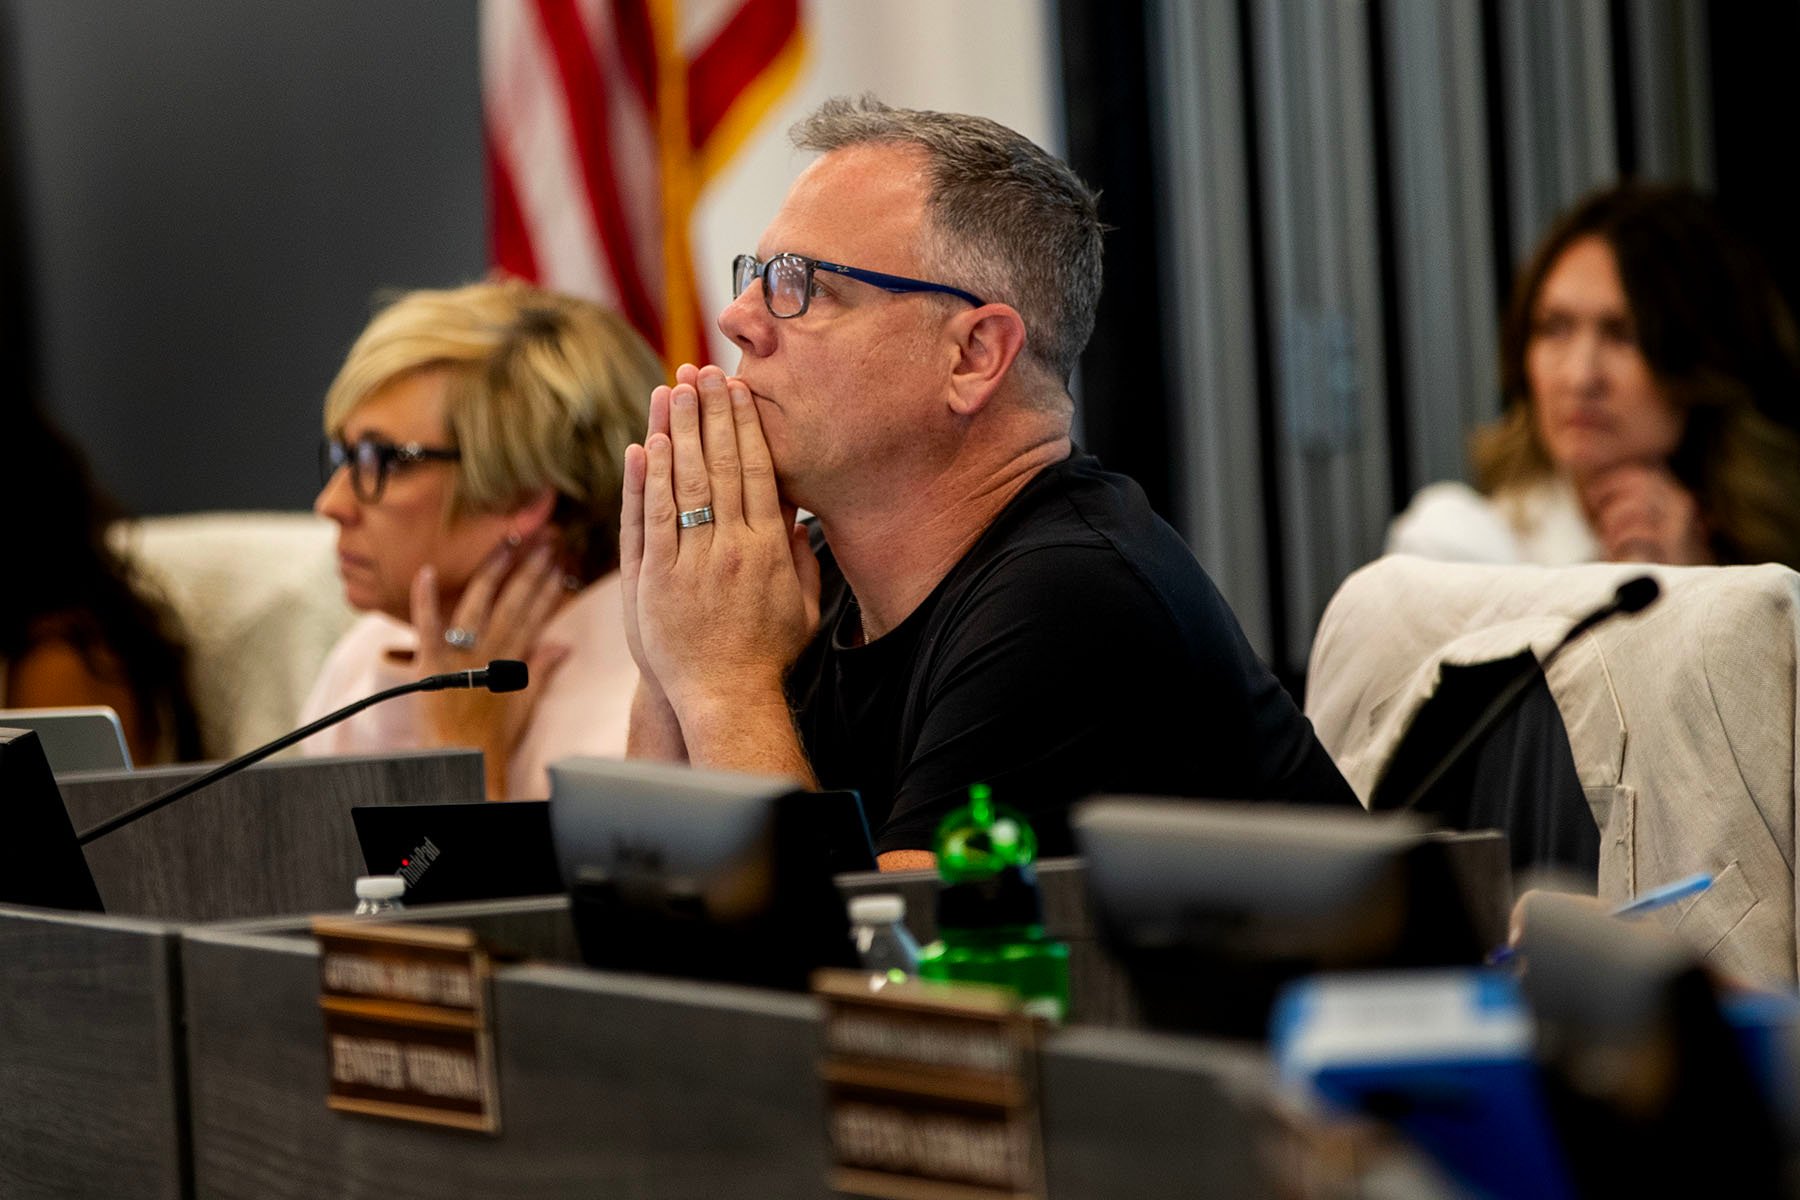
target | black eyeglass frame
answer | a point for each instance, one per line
(368, 453)
(746, 267)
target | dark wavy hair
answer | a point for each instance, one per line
(1720, 342)
(67, 582)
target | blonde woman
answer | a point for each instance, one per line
(1652, 390)
(472, 462)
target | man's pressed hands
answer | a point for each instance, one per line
(721, 586)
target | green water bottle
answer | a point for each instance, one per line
(989, 914)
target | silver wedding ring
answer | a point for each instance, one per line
(694, 516)
(462, 639)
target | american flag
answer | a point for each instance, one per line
(605, 121)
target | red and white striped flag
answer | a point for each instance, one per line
(605, 120)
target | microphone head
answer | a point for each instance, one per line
(1635, 595)
(506, 675)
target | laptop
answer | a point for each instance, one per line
(86, 738)
(475, 850)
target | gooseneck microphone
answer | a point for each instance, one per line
(500, 675)
(1634, 595)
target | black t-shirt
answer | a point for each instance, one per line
(1076, 648)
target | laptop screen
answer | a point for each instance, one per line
(86, 738)
(470, 851)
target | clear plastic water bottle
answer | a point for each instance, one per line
(884, 945)
(378, 895)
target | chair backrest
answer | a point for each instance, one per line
(1682, 719)
(259, 603)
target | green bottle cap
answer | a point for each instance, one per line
(981, 839)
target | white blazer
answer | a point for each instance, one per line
(1682, 719)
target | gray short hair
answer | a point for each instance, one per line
(1007, 220)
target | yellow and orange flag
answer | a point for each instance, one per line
(605, 120)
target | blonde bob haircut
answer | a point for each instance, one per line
(544, 391)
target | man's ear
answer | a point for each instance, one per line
(988, 341)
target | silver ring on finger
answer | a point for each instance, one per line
(462, 639)
(694, 516)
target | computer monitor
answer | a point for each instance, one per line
(701, 874)
(1210, 907)
(1649, 1086)
(40, 861)
(80, 738)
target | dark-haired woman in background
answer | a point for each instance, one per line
(73, 631)
(1652, 387)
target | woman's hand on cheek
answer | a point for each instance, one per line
(501, 613)
(1644, 514)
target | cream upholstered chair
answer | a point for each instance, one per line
(1682, 719)
(258, 601)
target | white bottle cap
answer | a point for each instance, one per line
(380, 887)
(879, 909)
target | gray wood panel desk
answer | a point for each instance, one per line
(610, 1084)
(91, 1094)
(276, 838)
(626, 1086)
(92, 1061)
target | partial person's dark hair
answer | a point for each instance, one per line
(1009, 221)
(66, 582)
(1718, 339)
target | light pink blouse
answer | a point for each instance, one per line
(584, 707)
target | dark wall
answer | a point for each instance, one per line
(1125, 416)
(1755, 91)
(211, 194)
(17, 341)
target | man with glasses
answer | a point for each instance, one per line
(985, 603)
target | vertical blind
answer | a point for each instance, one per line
(1345, 190)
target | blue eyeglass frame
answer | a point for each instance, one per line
(897, 284)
